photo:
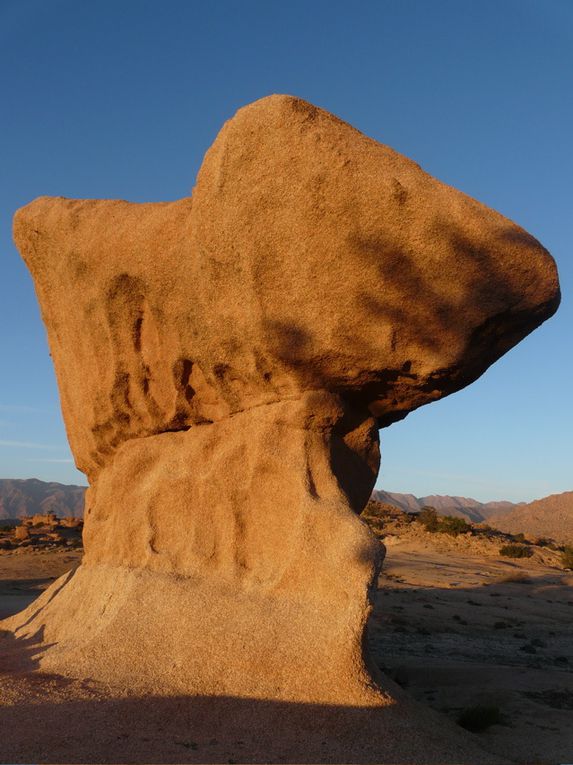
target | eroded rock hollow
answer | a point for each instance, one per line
(225, 362)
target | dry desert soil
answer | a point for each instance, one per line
(456, 630)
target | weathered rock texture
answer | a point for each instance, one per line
(224, 364)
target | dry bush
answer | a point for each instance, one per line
(567, 557)
(516, 551)
(513, 578)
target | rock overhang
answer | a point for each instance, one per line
(311, 257)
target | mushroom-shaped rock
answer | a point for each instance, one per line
(224, 364)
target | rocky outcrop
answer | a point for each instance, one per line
(42, 532)
(49, 519)
(21, 533)
(224, 364)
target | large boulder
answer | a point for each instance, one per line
(224, 364)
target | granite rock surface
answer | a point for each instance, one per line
(225, 362)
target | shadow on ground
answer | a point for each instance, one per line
(54, 719)
(458, 631)
(213, 730)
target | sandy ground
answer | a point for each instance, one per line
(454, 630)
(24, 574)
(457, 630)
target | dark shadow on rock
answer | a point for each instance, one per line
(432, 315)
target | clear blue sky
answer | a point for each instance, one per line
(121, 98)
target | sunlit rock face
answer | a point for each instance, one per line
(224, 364)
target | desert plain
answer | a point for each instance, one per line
(455, 625)
(460, 631)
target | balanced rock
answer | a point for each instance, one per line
(224, 363)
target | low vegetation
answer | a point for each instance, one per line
(515, 577)
(567, 557)
(445, 524)
(516, 551)
(385, 519)
(379, 515)
(428, 517)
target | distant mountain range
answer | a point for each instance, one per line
(549, 517)
(462, 507)
(23, 497)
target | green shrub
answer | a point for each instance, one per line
(372, 508)
(453, 526)
(477, 719)
(446, 524)
(567, 557)
(516, 551)
(428, 517)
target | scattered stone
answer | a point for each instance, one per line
(38, 532)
